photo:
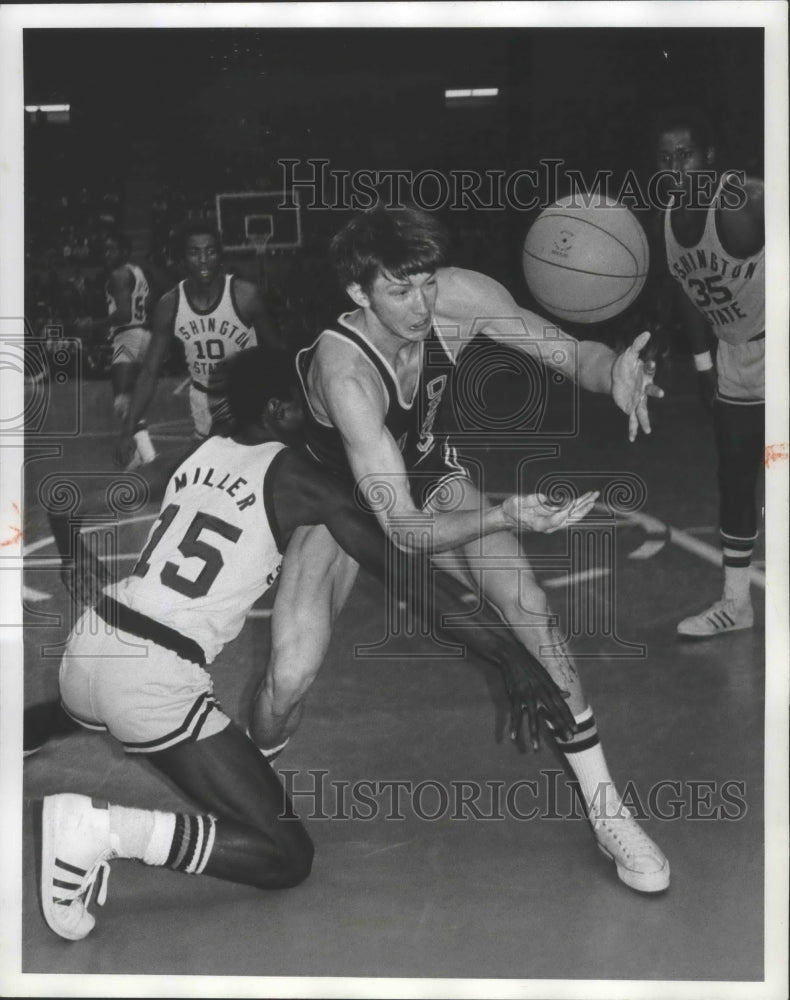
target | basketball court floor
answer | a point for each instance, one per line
(415, 883)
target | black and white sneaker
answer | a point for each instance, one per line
(75, 852)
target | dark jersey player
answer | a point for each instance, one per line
(373, 384)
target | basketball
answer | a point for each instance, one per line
(585, 263)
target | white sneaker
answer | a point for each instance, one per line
(76, 846)
(640, 863)
(723, 616)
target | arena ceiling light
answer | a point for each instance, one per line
(470, 97)
(471, 92)
(50, 113)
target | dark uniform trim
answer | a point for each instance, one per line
(268, 499)
(119, 616)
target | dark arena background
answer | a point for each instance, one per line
(267, 133)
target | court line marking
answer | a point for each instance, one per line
(585, 574)
(154, 434)
(676, 536)
(35, 596)
(709, 553)
(42, 543)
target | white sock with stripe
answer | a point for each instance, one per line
(585, 757)
(158, 838)
(192, 843)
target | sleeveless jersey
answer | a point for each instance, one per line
(728, 290)
(410, 422)
(211, 336)
(212, 552)
(140, 299)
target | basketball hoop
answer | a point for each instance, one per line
(259, 242)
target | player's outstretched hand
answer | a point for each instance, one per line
(530, 689)
(632, 383)
(533, 512)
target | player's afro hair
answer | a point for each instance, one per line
(400, 242)
(254, 377)
(694, 119)
(195, 227)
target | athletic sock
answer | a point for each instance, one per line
(584, 755)
(160, 839)
(145, 445)
(192, 843)
(134, 829)
(736, 583)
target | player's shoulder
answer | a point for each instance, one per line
(460, 289)
(754, 188)
(167, 306)
(246, 296)
(742, 194)
(338, 356)
(342, 371)
(243, 291)
(459, 280)
(743, 224)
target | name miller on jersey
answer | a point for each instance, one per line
(208, 324)
(182, 479)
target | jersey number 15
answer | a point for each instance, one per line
(191, 546)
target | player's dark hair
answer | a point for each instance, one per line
(397, 241)
(195, 227)
(694, 119)
(255, 376)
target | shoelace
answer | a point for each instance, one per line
(618, 812)
(100, 873)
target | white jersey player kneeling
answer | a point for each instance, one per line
(135, 661)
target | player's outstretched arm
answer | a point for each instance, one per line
(356, 408)
(470, 303)
(162, 331)
(302, 494)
